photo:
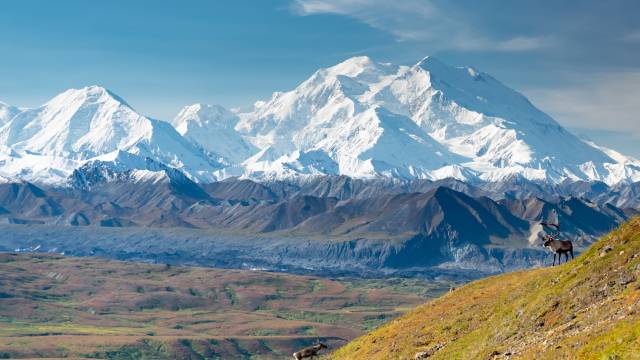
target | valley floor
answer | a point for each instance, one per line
(56, 306)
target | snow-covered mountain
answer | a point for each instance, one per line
(48, 143)
(212, 128)
(429, 121)
(359, 118)
(7, 112)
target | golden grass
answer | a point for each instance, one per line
(586, 309)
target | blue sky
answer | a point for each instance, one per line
(579, 61)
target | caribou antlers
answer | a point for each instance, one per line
(558, 247)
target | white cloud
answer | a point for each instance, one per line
(421, 21)
(389, 16)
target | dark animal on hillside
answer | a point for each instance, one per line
(309, 352)
(558, 247)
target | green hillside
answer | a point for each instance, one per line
(586, 309)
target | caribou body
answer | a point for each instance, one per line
(557, 247)
(309, 352)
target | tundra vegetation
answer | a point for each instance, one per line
(587, 308)
(56, 306)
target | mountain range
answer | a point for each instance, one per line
(325, 226)
(359, 118)
(364, 167)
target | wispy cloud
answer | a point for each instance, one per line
(421, 21)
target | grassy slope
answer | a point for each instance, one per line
(586, 309)
(54, 306)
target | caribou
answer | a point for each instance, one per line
(310, 352)
(557, 247)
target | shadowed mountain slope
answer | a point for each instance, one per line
(334, 225)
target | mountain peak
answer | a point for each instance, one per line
(205, 108)
(95, 89)
(91, 90)
(429, 62)
(362, 60)
(205, 114)
(355, 66)
(211, 127)
(87, 94)
(435, 66)
(77, 123)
